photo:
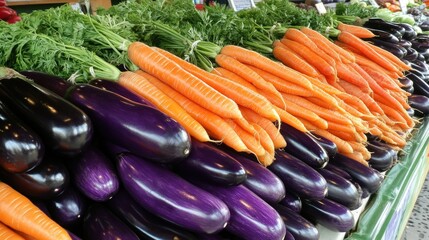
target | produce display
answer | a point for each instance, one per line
(155, 120)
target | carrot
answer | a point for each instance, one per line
(253, 117)
(364, 61)
(140, 85)
(368, 100)
(249, 139)
(290, 120)
(358, 31)
(357, 156)
(257, 60)
(293, 60)
(346, 136)
(391, 57)
(265, 159)
(395, 105)
(240, 94)
(159, 66)
(19, 213)
(354, 102)
(245, 72)
(266, 141)
(343, 128)
(326, 48)
(234, 77)
(346, 73)
(8, 234)
(329, 89)
(245, 125)
(360, 147)
(394, 115)
(298, 36)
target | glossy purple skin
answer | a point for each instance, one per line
(170, 197)
(289, 236)
(142, 130)
(381, 159)
(68, 208)
(339, 171)
(260, 180)
(251, 217)
(118, 89)
(297, 225)
(298, 177)
(292, 201)
(420, 103)
(328, 213)
(145, 224)
(420, 86)
(101, 224)
(94, 175)
(211, 164)
(21, 149)
(56, 84)
(329, 146)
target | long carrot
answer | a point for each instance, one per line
(368, 100)
(19, 213)
(290, 119)
(232, 76)
(358, 31)
(364, 61)
(298, 36)
(249, 140)
(265, 139)
(293, 60)
(159, 66)
(257, 60)
(391, 57)
(381, 78)
(304, 113)
(357, 156)
(8, 234)
(346, 73)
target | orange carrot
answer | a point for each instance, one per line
(245, 125)
(381, 78)
(265, 159)
(355, 102)
(19, 213)
(343, 128)
(364, 61)
(391, 57)
(290, 120)
(234, 77)
(249, 139)
(159, 66)
(140, 85)
(329, 89)
(293, 60)
(8, 234)
(257, 60)
(326, 48)
(357, 156)
(368, 100)
(298, 36)
(346, 73)
(265, 139)
(394, 115)
(358, 31)
(307, 114)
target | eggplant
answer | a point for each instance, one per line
(386, 147)
(383, 36)
(211, 164)
(411, 55)
(329, 214)
(144, 224)
(329, 146)
(410, 33)
(297, 225)
(63, 127)
(260, 180)
(94, 175)
(289, 236)
(393, 48)
(420, 42)
(339, 171)
(251, 217)
(420, 86)
(170, 197)
(73, 236)
(424, 51)
(378, 23)
(21, 149)
(68, 209)
(298, 177)
(304, 147)
(420, 66)
(118, 89)
(410, 112)
(367, 177)
(407, 84)
(381, 158)
(420, 103)
(418, 74)
(55, 84)
(143, 130)
(292, 201)
(405, 44)
(46, 181)
(341, 190)
(101, 224)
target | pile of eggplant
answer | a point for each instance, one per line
(402, 40)
(106, 164)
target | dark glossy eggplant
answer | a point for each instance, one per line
(420, 86)
(418, 74)
(393, 48)
(407, 84)
(385, 146)
(94, 175)
(378, 23)
(118, 89)
(101, 224)
(339, 171)
(260, 180)
(341, 190)
(304, 147)
(420, 103)
(329, 214)
(170, 197)
(405, 44)
(420, 42)
(411, 55)
(251, 217)
(298, 226)
(68, 209)
(46, 181)
(329, 146)
(298, 177)
(53, 83)
(383, 35)
(367, 177)
(21, 149)
(63, 127)
(143, 130)
(145, 224)
(381, 158)
(292, 201)
(410, 33)
(421, 66)
(424, 51)
(211, 164)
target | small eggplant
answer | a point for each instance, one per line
(420, 103)
(297, 225)
(378, 23)
(339, 171)
(292, 201)
(329, 146)
(381, 158)
(420, 86)
(405, 44)
(394, 48)
(410, 33)
(53, 83)
(383, 36)
(411, 55)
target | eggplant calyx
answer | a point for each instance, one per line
(8, 73)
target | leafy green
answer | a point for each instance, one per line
(356, 11)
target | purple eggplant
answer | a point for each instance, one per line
(381, 158)
(101, 224)
(341, 190)
(292, 201)
(329, 214)
(410, 112)
(68, 209)
(383, 36)
(53, 83)
(298, 226)
(411, 55)
(251, 217)
(298, 177)
(420, 103)
(289, 236)
(378, 23)
(304, 147)
(94, 175)
(367, 177)
(339, 171)
(407, 84)
(118, 89)
(21, 149)
(211, 164)
(393, 48)
(145, 224)
(170, 197)
(410, 33)
(143, 130)
(329, 146)
(260, 180)
(405, 44)
(46, 181)
(420, 86)
(62, 126)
